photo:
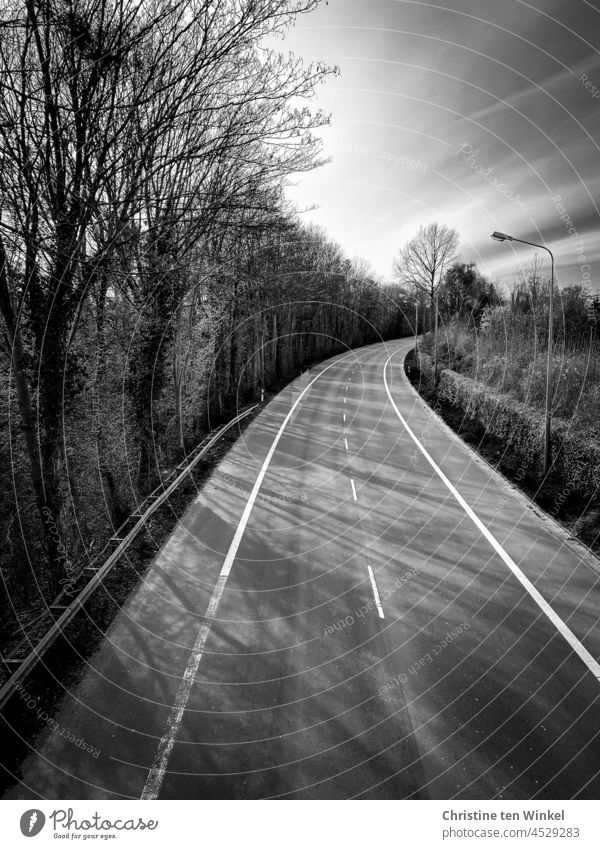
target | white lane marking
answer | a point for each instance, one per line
(161, 758)
(344, 417)
(353, 490)
(345, 443)
(345, 399)
(577, 646)
(159, 764)
(375, 593)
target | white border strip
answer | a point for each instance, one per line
(161, 758)
(560, 626)
(375, 592)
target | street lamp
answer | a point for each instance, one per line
(416, 330)
(435, 338)
(503, 237)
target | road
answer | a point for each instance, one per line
(354, 606)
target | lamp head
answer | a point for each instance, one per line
(501, 237)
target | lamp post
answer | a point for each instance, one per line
(416, 329)
(503, 237)
(435, 338)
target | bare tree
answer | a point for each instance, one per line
(422, 264)
(424, 260)
(128, 128)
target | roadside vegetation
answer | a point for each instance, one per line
(487, 375)
(153, 277)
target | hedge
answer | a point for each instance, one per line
(576, 459)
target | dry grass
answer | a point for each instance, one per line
(515, 365)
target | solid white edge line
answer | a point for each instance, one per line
(577, 646)
(159, 764)
(375, 592)
(353, 490)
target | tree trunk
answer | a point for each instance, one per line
(45, 504)
(178, 375)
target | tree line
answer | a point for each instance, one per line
(152, 274)
(498, 335)
(431, 273)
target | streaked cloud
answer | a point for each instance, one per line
(417, 81)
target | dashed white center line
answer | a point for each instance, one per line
(344, 417)
(345, 399)
(354, 496)
(376, 593)
(346, 444)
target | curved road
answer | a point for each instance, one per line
(355, 606)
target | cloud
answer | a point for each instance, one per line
(415, 98)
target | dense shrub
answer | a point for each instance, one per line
(576, 458)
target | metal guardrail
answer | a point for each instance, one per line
(65, 611)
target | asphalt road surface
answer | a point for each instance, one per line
(355, 606)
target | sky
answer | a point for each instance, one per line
(481, 115)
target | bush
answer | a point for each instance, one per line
(576, 458)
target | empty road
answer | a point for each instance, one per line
(354, 606)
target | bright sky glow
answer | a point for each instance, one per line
(473, 113)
